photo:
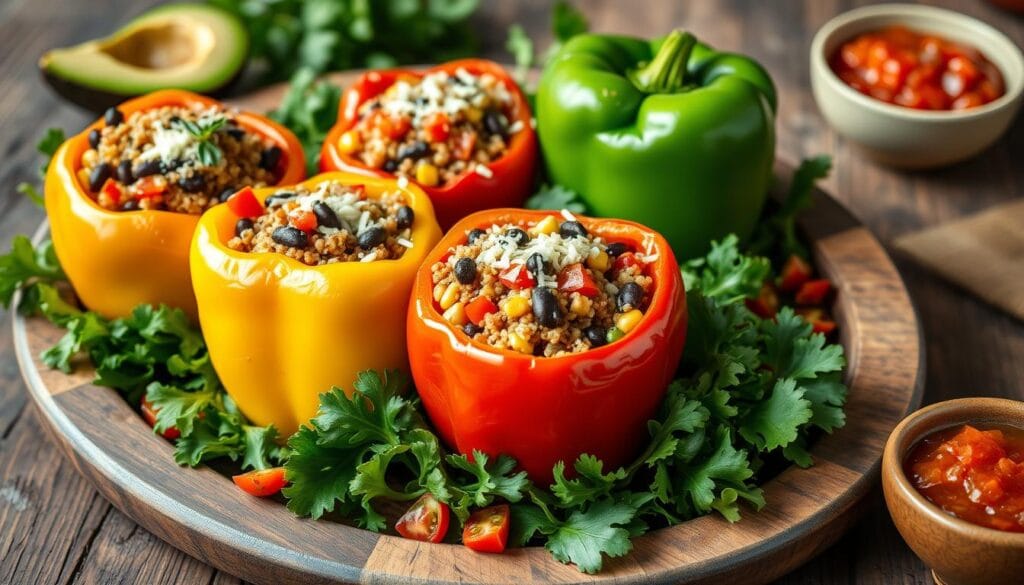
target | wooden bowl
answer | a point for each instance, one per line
(959, 553)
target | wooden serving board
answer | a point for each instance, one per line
(200, 512)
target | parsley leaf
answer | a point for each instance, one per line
(776, 234)
(24, 267)
(588, 534)
(309, 110)
(589, 484)
(726, 275)
(556, 197)
(208, 153)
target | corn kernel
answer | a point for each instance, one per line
(627, 321)
(515, 307)
(474, 115)
(456, 314)
(449, 296)
(548, 225)
(580, 305)
(439, 290)
(599, 262)
(83, 177)
(426, 174)
(350, 142)
(519, 343)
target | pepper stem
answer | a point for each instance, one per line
(666, 73)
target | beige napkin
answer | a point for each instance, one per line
(983, 253)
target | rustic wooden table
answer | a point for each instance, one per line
(54, 528)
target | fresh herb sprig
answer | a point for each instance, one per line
(566, 22)
(309, 110)
(202, 130)
(46, 146)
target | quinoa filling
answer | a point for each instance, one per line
(435, 128)
(546, 288)
(184, 159)
(331, 223)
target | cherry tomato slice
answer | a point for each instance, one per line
(795, 273)
(516, 277)
(149, 415)
(479, 308)
(305, 221)
(487, 529)
(244, 204)
(813, 292)
(576, 278)
(427, 520)
(261, 482)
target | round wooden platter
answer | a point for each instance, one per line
(200, 512)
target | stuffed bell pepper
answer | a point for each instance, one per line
(462, 131)
(543, 336)
(124, 196)
(669, 133)
(301, 288)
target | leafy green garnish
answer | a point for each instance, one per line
(566, 22)
(556, 197)
(309, 109)
(776, 235)
(208, 153)
(26, 267)
(46, 146)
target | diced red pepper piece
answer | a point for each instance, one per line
(464, 148)
(149, 186)
(112, 190)
(438, 127)
(625, 260)
(766, 305)
(813, 292)
(576, 278)
(516, 277)
(479, 308)
(149, 415)
(795, 273)
(305, 221)
(261, 482)
(816, 317)
(244, 204)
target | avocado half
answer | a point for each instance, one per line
(182, 46)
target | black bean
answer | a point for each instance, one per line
(572, 229)
(226, 193)
(270, 157)
(124, 172)
(630, 296)
(146, 168)
(390, 166)
(289, 236)
(518, 236)
(372, 237)
(465, 270)
(596, 335)
(416, 150)
(236, 133)
(94, 138)
(538, 350)
(546, 308)
(130, 205)
(471, 329)
(537, 265)
(473, 235)
(193, 183)
(99, 175)
(325, 216)
(404, 217)
(617, 249)
(113, 116)
(495, 122)
(243, 224)
(278, 198)
(175, 120)
(166, 167)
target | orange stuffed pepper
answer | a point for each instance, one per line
(461, 130)
(124, 196)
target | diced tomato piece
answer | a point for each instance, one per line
(149, 186)
(438, 127)
(516, 277)
(392, 127)
(487, 529)
(244, 204)
(624, 261)
(149, 415)
(427, 520)
(261, 482)
(795, 273)
(479, 308)
(305, 221)
(464, 148)
(112, 190)
(576, 278)
(813, 292)
(766, 305)
(816, 317)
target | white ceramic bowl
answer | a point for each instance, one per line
(902, 136)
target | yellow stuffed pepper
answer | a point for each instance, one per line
(124, 196)
(300, 288)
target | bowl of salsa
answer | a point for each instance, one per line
(916, 86)
(953, 478)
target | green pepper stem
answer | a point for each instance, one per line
(666, 73)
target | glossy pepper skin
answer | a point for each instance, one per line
(280, 332)
(542, 410)
(513, 172)
(684, 144)
(117, 260)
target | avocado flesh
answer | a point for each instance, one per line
(186, 46)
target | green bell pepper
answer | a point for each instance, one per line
(669, 133)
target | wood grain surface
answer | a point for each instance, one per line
(54, 528)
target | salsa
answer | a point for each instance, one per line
(975, 475)
(917, 70)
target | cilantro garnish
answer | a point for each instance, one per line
(46, 146)
(309, 109)
(208, 153)
(556, 197)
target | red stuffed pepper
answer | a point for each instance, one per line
(543, 336)
(462, 130)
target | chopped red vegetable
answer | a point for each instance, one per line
(487, 529)
(244, 204)
(516, 277)
(813, 292)
(426, 520)
(305, 221)
(261, 482)
(479, 308)
(149, 415)
(438, 127)
(766, 304)
(816, 317)
(795, 273)
(576, 278)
